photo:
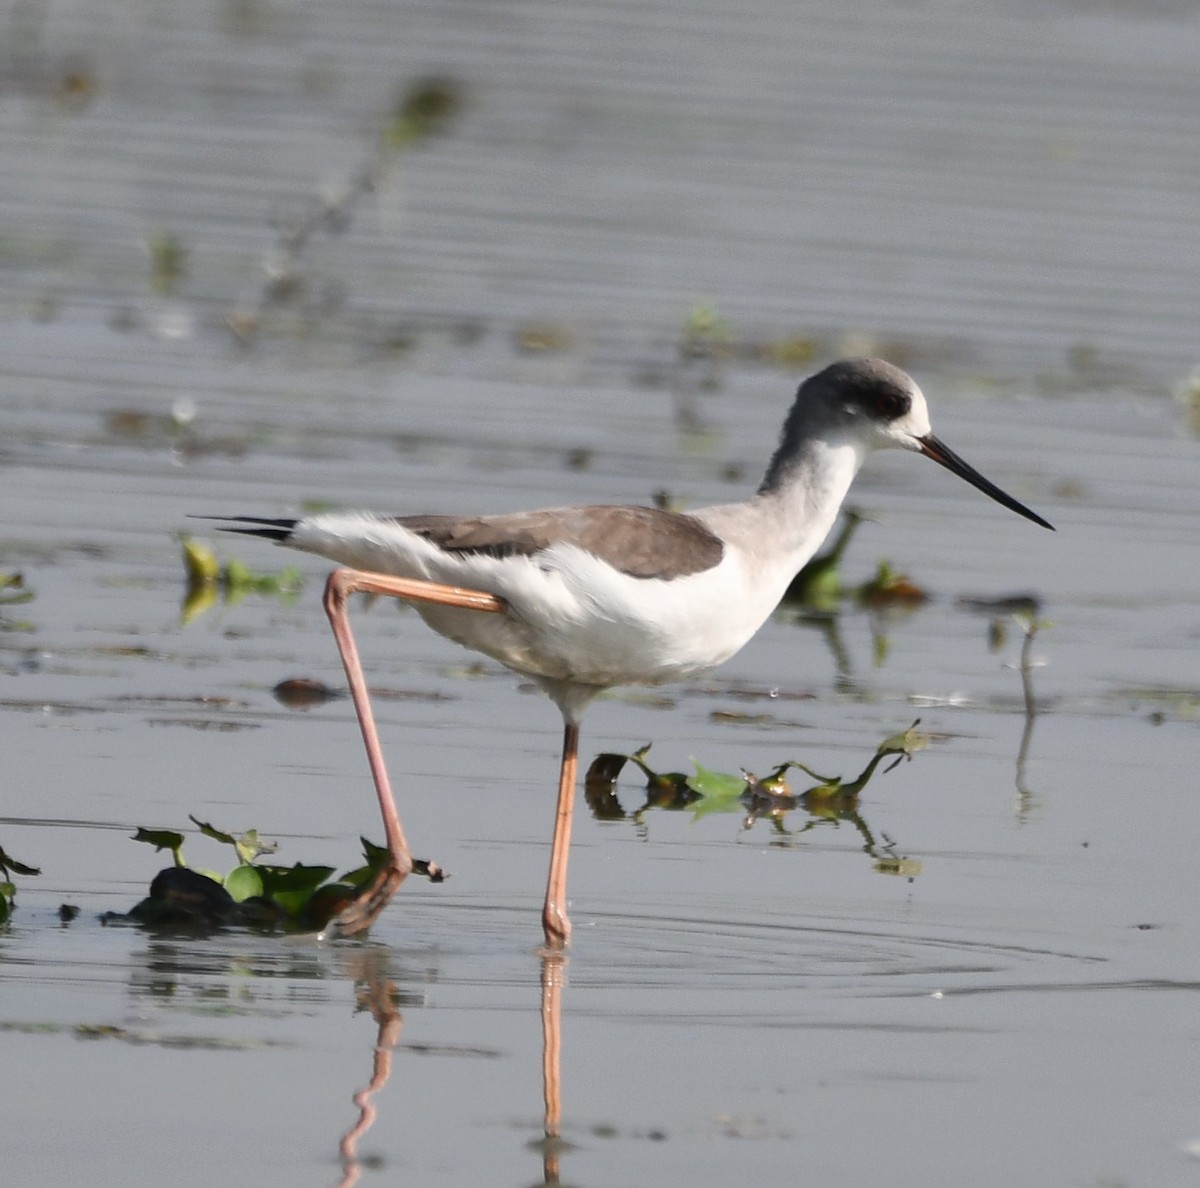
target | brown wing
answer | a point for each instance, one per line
(643, 542)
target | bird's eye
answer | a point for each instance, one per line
(891, 404)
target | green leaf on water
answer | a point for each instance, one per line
(292, 886)
(12, 590)
(425, 108)
(243, 882)
(8, 890)
(9, 865)
(162, 839)
(377, 858)
(200, 565)
(248, 845)
(297, 877)
(719, 791)
(212, 831)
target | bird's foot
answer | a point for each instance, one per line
(365, 910)
(556, 927)
(431, 870)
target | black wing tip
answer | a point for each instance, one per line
(266, 529)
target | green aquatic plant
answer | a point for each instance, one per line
(168, 261)
(707, 791)
(9, 866)
(13, 593)
(421, 110)
(252, 893)
(207, 579)
(890, 588)
(831, 801)
(12, 590)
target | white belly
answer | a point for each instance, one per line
(574, 619)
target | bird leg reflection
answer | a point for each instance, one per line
(553, 969)
(377, 996)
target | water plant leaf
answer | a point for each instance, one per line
(424, 108)
(162, 839)
(212, 831)
(297, 877)
(205, 577)
(168, 261)
(12, 590)
(254, 895)
(377, 858)
(200, 565)
(719, 792)
(291, 887)
(9, 865)
(890, 588)
(8, 889)
(905, 868)
(906, 743)
(243, 882)
(248, 845)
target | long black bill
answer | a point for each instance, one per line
(931, 447)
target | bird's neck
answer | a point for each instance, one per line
(796, 505)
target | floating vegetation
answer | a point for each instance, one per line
(9, 866)
(252, 894)
(890, 588)
(544, 338)
(705, 342)
(168, 261)
(421, 110)
(819, 588)
(830, 800)
(13, 592)
(791, 352)
(705, 335)
(207, 580)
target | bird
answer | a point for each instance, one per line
(583, 599)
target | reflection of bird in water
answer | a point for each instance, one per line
(581, 599)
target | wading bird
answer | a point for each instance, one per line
(581, 599)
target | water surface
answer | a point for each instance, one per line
(1002, 202)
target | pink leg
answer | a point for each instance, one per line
(554, 914)
(341, 584)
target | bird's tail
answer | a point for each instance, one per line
(276, 530)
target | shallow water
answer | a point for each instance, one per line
(1004, 203)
